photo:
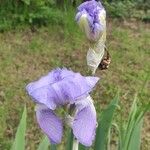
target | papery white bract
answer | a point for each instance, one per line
(95, 55)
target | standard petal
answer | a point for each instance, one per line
(78, 87)
(42, 82)
(52, 77)
(50, 124)
(84, 124)
(67, 88)
(47, 91)
(92, 81)
(66, 73)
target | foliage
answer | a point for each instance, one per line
(44, 144)
(31, 12)
(45, 12)
(105, 125)
(19, 143)
(138, 9)
(143, 4)
(130, 136)
(120, 9)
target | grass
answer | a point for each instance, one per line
(26, 55)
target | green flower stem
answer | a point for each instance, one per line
(75, 144)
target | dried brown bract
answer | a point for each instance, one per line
(105, 61)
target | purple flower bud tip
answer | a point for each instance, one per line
(93, 11)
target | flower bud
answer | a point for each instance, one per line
(91, 18)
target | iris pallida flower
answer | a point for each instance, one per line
(62, 87)
(91, 18)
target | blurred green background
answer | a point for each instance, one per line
(44, 12)
(39, 35)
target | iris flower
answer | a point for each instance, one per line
(64, 87)
(91, 19)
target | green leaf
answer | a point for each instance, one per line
(135, 139)
(120, 132)
(27, 2)
(19, 143)
(53, 147)
(44, 144)
(82, 147)
(130, 124)
(133, 130)
(105, 125)
(69, 140)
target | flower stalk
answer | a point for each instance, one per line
(62, 87)
(75, 144)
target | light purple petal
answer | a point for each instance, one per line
(92, 81)
(66, 73)
(42, 82)
(50, 124)
(97, 28)
(79, 86)
(84, 125)
(60, 87)
(60, 93)
(45, 95)
(90, 6)
(96, 31)
(45, 90)
(52, 77)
